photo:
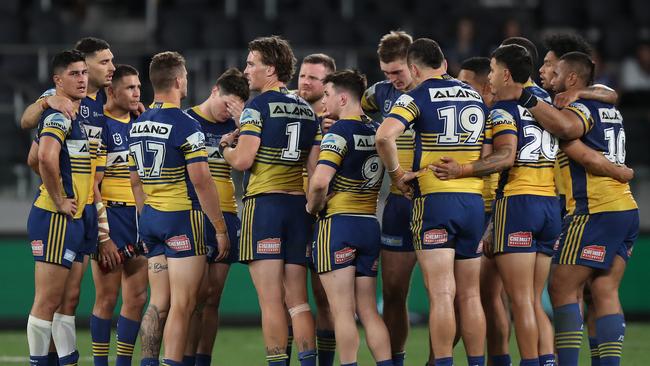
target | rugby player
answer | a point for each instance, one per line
(170, 162)
(589, 249)
(279, 136)
(343, 191)
(397, 255)
(313, 70)
(217, 115)
(117, 227)
(55, 226)
(447, 218)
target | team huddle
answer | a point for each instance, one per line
(494, 186)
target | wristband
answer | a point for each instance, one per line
(394, 170)
(527, 99)
(222, 146)
(44, 104)
(102, 222)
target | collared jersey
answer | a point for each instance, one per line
(74, 160)
(113, 159)
(379, 99)
(604, 132)
(349, 147)
(448, 118)
(162, 142)
(287, 128)
(219, 168)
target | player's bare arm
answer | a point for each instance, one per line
(206, 191)
(242, 156)
(502, 157)
(595, 162)
(48, 165)
(318, 185)
(32, 157)
(138, 191)
(33, 112)
(561, 123)
(312, 160)
(599, 92)
(387, 134)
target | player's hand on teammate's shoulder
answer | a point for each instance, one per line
(446, 169)
(63, 105)
(565, 98)
(66, 206)
(223, 245)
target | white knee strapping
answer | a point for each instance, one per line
(299, 309)
(64, 334)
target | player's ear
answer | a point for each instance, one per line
(57, 80)
(270, 70)
(444, 65)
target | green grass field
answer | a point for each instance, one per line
(243, 346)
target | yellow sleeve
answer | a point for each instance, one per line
(501, 122)
(405, 110)
(101, 156)
(332, 150)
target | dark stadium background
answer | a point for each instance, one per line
(213, 35)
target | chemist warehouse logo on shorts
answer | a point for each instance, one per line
(435, 237)
(344, 255)
(179, 243)
(37, 248)
(520, 239)
(269, 246)
(594, 253)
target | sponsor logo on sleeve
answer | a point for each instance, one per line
(435, 237)
(501, 117)
(291, 110)
(196, 141)
(150, 129)
(269, 246)
(250, 116)
(344, 255)
(58, 121)
(403, 100)
(520, 239)
(333, 142)
(594, 253)
(179, 243)
(582, 108)
(37, 248)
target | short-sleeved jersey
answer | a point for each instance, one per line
(113, 159)
(162, 142)
(349, 147)
(379, 99)
(287, 128)
(533, 169)
(448, 118)
(74, 160)
(219, 168)
(604, 132)
(91, 115)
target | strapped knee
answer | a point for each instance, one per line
(299, 309)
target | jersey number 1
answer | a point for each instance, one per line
(291, 152)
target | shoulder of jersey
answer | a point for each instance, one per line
(539, 92)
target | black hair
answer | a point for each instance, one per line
(62, 60)
(561, 43)
(516, 59)
(351, 81)
(426, 52)
(479, 65)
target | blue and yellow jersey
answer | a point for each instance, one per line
(305, 173)
(533, 169)
(113, 159)
(162, 142)
(74, 160)
(349, 147)
(379, 99)
(604, 132)
(219, 168)
(448, 119)
(287, 128)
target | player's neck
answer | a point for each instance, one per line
(167, 97)
(431, 74)
(510, 92)
(272, 84)
(116, 111)
(352, 110)
(92, 89)
(206, 113)
(317, 107)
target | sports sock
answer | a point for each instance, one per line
(149, 362)
(203, 360)
(501, 360)
(127, 333)
(277, 360)
(189, 360)
(547, 360)
(100, 333)
(529, 362)
(476, 360)
(398, 358)
(168, 362)
(326, 345)
(65, 338)
(444, 361)
(307, 358)
(593, 347)
(39, 332)
(388, 362)
(568, 333)
(610, 331)
(289, 344)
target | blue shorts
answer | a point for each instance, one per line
(449, 220)
(122, 222)
(593, 240)
(233, 225)
(91, 233)
(275, 226)
(526, 223)
(54, 237)
(395, 225)
(176, 234)
(341, 241)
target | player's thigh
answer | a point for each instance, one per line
(339, 286)
(135, 280)
(566, 283)
(396, 270)
(437, 268)
(542, 270)
(185, 274)
(604, 287)
(517, 272)
(267, 276)
(158, 275)
(467, 273)
(49, 281)
(107, 283)
(365, 295)
(295, 284)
